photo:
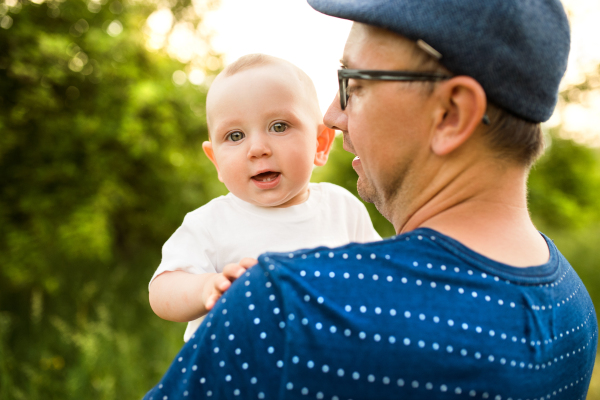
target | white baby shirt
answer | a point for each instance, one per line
(227, 229)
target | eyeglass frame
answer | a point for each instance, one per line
(345, 74)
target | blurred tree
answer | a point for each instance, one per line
(564, 184)
(100, 158)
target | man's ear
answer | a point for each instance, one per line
(208, 150)
(324, 141)
(462, 106)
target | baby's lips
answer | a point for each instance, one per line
(266, 176)
(267, 180)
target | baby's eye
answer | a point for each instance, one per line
(279, 127)
(235, 136)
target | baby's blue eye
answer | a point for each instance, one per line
(279, 127)
(236, 136)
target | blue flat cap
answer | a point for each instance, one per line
(516, 49)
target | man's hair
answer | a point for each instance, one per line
(514, 138)
(509, 137)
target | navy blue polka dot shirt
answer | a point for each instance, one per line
(415, 316)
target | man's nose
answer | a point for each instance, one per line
(335, 118)
(259, 147)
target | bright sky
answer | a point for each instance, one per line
(292, 30)
(289, 29)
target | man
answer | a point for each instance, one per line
(441, 102)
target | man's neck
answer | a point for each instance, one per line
(489, 215)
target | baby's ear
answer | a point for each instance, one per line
(324, 141)
(208, 150)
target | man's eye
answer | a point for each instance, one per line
(279, 127)
(235, 136)
(351, 90)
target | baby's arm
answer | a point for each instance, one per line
(181, 296)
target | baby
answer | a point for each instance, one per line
(266, 133)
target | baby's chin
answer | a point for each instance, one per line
(274, 201)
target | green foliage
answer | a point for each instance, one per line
(564, 186)
(100, 158)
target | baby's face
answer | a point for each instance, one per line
(263, 132)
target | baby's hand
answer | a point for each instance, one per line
(219, 283)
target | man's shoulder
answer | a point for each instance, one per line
(422, 252)
(399, 250)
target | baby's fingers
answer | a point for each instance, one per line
(248, 262)
(219, 285)
(233, 271)
(211, 301)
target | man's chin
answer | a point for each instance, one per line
(365, 191)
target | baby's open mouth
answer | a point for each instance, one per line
(266, 176)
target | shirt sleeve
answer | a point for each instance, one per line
(238, 350)
(191, 249)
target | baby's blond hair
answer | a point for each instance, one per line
(248, 61)
(258, 60)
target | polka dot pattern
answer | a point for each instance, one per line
(341, 323)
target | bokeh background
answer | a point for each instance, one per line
(101, 124)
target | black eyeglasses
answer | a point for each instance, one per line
(377, 75)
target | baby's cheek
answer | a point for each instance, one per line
(302, 161)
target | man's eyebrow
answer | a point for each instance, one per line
(344, 63)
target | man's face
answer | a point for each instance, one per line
(385, 123)
(263, 135)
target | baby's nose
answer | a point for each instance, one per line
(259, 147)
